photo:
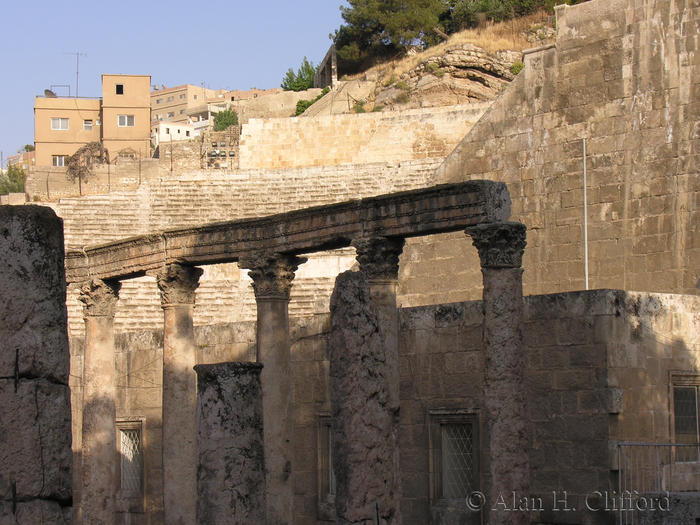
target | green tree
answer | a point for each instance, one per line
(28, 147)
(12, 181)
(302, 80)
(376, 29)
(224, 119)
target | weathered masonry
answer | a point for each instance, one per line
(272, 248)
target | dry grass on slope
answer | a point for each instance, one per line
(510, 35)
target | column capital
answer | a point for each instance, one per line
(379, 256)
(177, 283)
(500, 245)
(100, 298)
(272, 273)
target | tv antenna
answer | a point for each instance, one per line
(77, 68)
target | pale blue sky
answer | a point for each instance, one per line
(224, 44)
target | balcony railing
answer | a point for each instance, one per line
(647, 468)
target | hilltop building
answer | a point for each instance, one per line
(120, 120)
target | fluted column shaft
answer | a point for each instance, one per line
(501, 249)
(177, 285)
(99, 457)
(272, 276)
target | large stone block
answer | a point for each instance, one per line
(33, 289)
(35, 440)
(230, 456)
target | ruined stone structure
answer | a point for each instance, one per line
(537, 408)
(35, 415)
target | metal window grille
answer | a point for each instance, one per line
(131, 459)
(457, 461)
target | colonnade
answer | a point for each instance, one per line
(500, 246)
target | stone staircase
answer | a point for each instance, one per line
(342, 99)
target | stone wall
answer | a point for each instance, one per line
(598, 368)
(51, 184)
(35, 408)
(623, 76)
(389, 137)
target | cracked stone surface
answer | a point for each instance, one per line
(33, 316)
(36, 459)
(364, 426)
(230, 452)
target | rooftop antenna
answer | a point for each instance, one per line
(77, 69)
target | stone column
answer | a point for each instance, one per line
(379, 262)
(230, 451)
(99, 412)
(501, 247)
(364, 426)
(177, 285)
(272, 275)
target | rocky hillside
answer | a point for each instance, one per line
(464, 73)
(473, 66)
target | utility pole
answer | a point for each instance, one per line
(77, 69)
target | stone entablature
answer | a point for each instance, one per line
(439, 209)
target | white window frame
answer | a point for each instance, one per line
(326, 477)
(131, 500)
(60, 123)
(126, 121)
(59, 161)
(439, 419)
(87, 124)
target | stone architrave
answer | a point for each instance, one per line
(272, 275)
(99, 456)
(501, 247)
(363, 436)
(230, 450)
(177, 285)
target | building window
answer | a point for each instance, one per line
(170, 99)
(196, 97)
(326, 475)
(59, 123)
(125, 121)
(87, 125)
(222, 144)
(171, 114)
(131, 479)
(59, 161)
(182, 96)
(159, 101)
(187, 133)
(119, 89)
(685, 416)
(231, 153)
(167, 131)
(182, 111)
(454, 448)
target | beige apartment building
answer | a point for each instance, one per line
(172, 104)
(120, 119)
